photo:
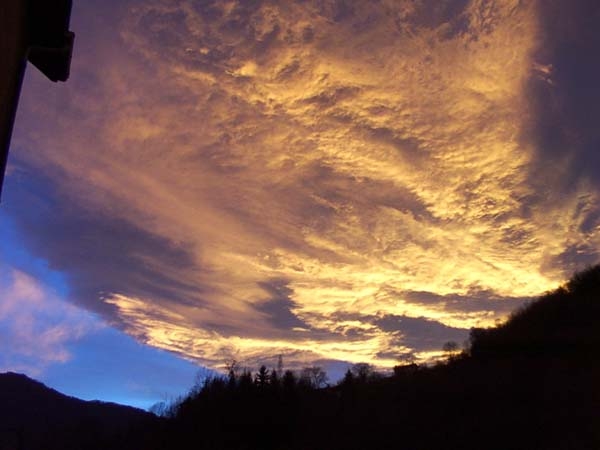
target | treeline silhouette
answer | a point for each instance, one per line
(530, 383)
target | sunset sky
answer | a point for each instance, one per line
(333, 181)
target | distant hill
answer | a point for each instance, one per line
(33, 416)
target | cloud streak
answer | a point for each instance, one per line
(35, 325)
(274, 177)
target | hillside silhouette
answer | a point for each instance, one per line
(562, 323)
(530, 383)
(33, 416)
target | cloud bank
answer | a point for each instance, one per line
(328, 180)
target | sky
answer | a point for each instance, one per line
(327, 180)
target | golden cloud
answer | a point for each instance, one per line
(353, 151)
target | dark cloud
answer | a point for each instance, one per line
(279, 306)
(334, 186)
(473, 302)
(101, 254)
(566, 97)
(434, 13)
(578, 255)
(332, 96)
(420, 333)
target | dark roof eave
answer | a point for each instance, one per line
(38, 31)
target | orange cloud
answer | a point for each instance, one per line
(358, 154)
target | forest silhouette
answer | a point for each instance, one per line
(530, 383)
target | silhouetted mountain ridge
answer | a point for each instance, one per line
(563, 322)
(531, 383)
(40, 417)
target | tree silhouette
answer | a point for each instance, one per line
(262, 378)
(362, 371)
(450, 347)
(314, 377)
(274, 378)
(289, 381)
